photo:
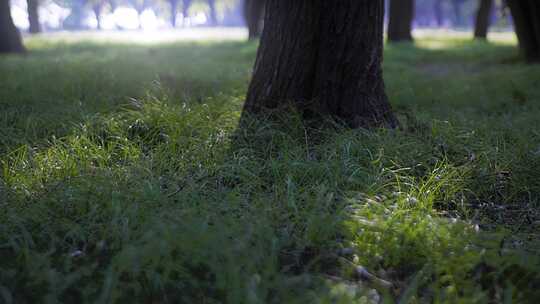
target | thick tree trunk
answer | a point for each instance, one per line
(323, 57)
(10, 38)
(438, 11)
(213, 12)
(33, 16)
(174, 9)
(400, 20)
(526, 15)
(483, 19)
(253, 12)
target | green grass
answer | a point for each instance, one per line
(124, 178)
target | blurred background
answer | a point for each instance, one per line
(149, 15)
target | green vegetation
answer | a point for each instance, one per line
(124, 177)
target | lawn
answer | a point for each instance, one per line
(124, 177)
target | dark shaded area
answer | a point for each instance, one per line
(323, 58)
(254, 16)
(526, 15)
(400, 20)
(10, 38)
(483, 19)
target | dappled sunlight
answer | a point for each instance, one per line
(150, 36)
(438, 39)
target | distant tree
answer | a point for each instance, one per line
(173, 10)
(253, 13)
(213, 12)
(324, 58)
(458, 13)
(186, 4)
(526, 15)
(438, 11)
(401, 17)
(33, 16)
(483, 19)
(10, 38)
(97, 8)
(75, 19)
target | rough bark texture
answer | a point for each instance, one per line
(400, 20)
(253, 12)
(483, 19)
(526, 15)
(323, 57)
(10, 38)
(33, 16)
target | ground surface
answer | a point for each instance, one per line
(124, 176)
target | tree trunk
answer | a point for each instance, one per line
(526, 15)
(458, 16)
(174, 9)
(139, 10)
(97, 12)
(483, 18)
(213, 13)
(10, 38)
(253, 12)
(33, 16)
(400, 20)
(185, 11)
(324, 58)
(438, 11)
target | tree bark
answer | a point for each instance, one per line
(10, 38)
(254, 12)
(483, 19)
(400, 20)
(33, 16)
(526, 15)
(324, 58)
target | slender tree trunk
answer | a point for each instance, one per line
(458, 16)
(97, 8)
(33, 16)
(186, 4)
(254, 12)
(323, 57)
(400, 20)
(139, 10)
(213, 12)
(526, 15)
(10, 38)
(174, 9)
(438, 11)
(483, 19)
